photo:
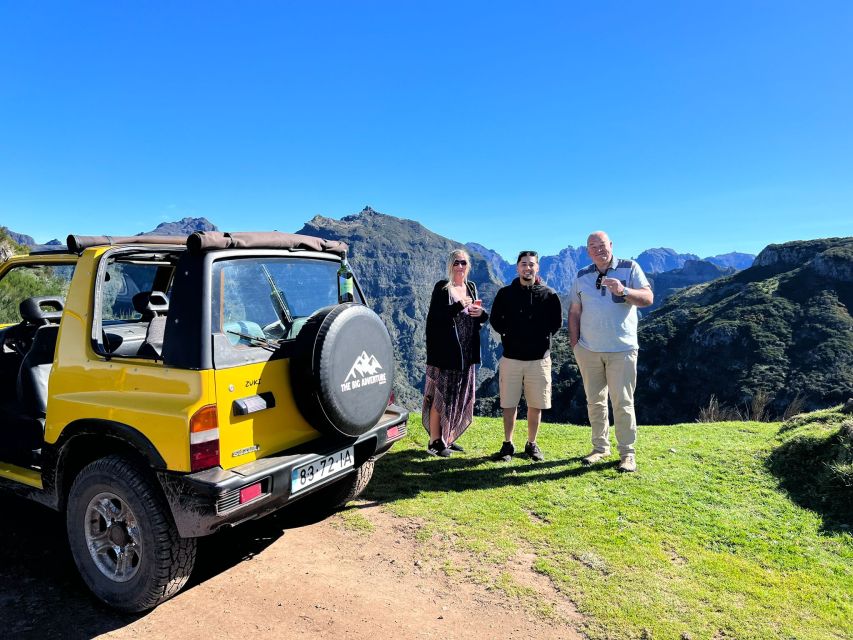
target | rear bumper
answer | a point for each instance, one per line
(205, 501)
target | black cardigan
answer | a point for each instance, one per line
(442, 342)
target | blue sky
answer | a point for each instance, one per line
(702, 126)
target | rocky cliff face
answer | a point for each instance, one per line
(397, 262)
(6, 251)
(182, 227)
(734, 260)
(834, 264)
(663, 259)
(782, 327)
(500, 267)
(559, 271)
(693, 272)
(19, 238)
(8, 245)
(794, 254)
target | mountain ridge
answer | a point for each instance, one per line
(780, 327)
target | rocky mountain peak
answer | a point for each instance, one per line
(366, 213)
(734, 259)
(663, 259)
(835, 263)
(793, 254)
(704, 268)
(182, 227)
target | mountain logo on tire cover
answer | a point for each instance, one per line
(363, 373)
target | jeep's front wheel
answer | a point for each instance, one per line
(122, 537)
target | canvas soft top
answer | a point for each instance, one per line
(208, 240)
(202, 241)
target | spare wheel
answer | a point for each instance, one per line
(342, 369)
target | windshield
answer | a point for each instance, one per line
(257, 300)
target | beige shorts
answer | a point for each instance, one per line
(533, 376)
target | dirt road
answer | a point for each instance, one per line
(356, 576)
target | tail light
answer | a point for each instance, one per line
(204, 438)
(392, 399)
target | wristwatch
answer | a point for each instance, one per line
(624, 293)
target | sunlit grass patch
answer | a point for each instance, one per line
(700, 541)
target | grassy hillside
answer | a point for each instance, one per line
(710, 539)
(782, 328)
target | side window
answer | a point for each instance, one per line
(28, 281)
(122, 282)
(125, 329)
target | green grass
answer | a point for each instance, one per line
(354, 521)
(700, 541)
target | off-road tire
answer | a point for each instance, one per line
(164, 559)
(338, 494)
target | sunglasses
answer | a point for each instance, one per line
(460, 263)
(598, 280)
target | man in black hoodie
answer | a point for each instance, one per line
(526, 314)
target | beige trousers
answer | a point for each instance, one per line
(616, 373)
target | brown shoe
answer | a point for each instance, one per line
(628, 464)
(595, 456)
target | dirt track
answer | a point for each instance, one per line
(275, 578)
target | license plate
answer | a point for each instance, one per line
(321, 469)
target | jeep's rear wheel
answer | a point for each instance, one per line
(336, 495)
(122, 537)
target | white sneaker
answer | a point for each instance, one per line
(628, 464)
(595, 456)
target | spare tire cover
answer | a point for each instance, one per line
(342, 370)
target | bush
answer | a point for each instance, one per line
(814, 464)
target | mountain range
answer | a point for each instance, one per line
(781, 327)
(182, 227)
(558, 271)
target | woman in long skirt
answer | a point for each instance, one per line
(453, 348)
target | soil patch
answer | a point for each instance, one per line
(361, 574)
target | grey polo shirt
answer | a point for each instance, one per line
(608, 323)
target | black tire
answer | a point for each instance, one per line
(342, 370)
(155, 561)
(336, 495)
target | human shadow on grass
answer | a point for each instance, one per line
(407, 473)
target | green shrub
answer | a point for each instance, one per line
(814, 463)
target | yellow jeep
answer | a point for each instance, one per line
(157, 389)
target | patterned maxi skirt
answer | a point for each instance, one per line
(452, 394)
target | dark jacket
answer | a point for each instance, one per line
(443, 348)
(526, 317)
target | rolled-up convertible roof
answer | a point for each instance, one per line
(208, 240)
(76, 244)
(211, 240)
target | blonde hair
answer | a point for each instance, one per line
(457, 254)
